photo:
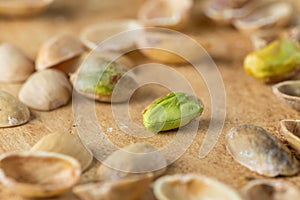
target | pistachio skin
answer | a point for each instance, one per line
(171, 111)
(279, 59)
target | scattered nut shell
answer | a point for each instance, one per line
(165, 13)
(259, 151)
(126, 189)
(172, 111)
(15, 8)
(98, 75)
(270, 15)
(289, 93)
(46, 90)
(38, 174)
(14, 65)
(270, 190)
(57, 50)
(67, 144)
(291, 131)
(132, 164)
(12, 112)
(192, 187)
(166, 46)
(94, 34)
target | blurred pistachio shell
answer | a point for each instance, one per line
(99, 73)
(14, 64)
(277, 61)
(46, 90)
(131, 164)
(67, 144)
(171, 111)
(289, 93)
(20, 8)
(126, 189)
(259, 151)
(291, 131)
(12, 111)
(192, 187)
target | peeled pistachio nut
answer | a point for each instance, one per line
(57, 50)
(38, 174)
(270, 190)
(259, 151)
(132, 164)
(291, 131)
(192, 187)
(289, 93)
(165, 13)
(14, 65)
(46, 90)
(18, 8)
(67, 144)
(97, 76)
(171, 111)
(126, 189)
(92, 35)
(12, 111)
(278, 61)
(269, 15)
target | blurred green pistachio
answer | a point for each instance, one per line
(171, 111)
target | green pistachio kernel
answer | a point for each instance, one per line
(171, 111)
(278, 61)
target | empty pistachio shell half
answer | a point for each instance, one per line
(270, 190)
(14, 65)
(291, 131)
(15, 8)
(132, 164)
(289, 93)
(159, 45)
(165, 13)
(12, 111)
(259, 151)
(67, 144)
(57, 50)
(192, 187)
(97, 76)
(126, 189)
(94, 34)
(38, 174)
(46, 90)
(274, 14)
(278, 61)
(171, 111)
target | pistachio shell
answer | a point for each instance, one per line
(92, 35)
(159, 45)
(165, 13)
(126, 189)
(289, 93)
(131, 164)
(291, 131)
(192, 187)
(259, 151)
(56, 50)
(97, 76)
(67, 144)
(270, 15)
(270, 190)
(38, 174)
(15, 8)
(12, 112)
(46, 90)
(171, 111)
(14, 65)
(278, 61)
